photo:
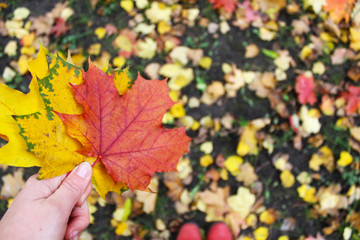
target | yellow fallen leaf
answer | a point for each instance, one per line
(146, 48)
(100, 32)
(345, 159)
(283, 237)
(355, 38)
(318, 68)
(232, 164)
(124, 43)
(144, 28)
(8, 74)
(15, 28)
(207, 147)
(251, 220)
(226, 68)
(242, 202)
(305, 52)
(119, 61)
(205, 63)
(158, 12)
(78, 59)
(261, 233)
(323, 157)
(328, 200)
(307, 193)
(224, 174)
(179, 76)
(163, 27)
(10, 48)
(180, 54)
(94, 49)
(304, 177)
(287, 179)
(174, 95)
(23, 62)
(28, 50)
(141, 4)
(127, 5)
(120, 228)
(268, 217)
(177, 110)
(21, 13)
(206, 160)
(248, 142)
(195, 126)
(168, 118)
(266, 34)
(316, 5)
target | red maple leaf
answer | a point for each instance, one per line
(126, 132)
(228, 5)
(60, 27)
(305, 88)
(353, 99)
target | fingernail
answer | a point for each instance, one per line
(74, 235)
(83, 170)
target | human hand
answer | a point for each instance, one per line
(53, 208)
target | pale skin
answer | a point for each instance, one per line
(53, 208)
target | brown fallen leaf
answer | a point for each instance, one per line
(354, 73)
(251, 51)
(12, 184)
(300, 26)
(247, 174)
(41, 25)
(173, 182)
(148, 198)
(213, 92)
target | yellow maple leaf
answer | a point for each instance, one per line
(232, 164)
(345, 159)
(307, 193)
(242, 202)
(248, 142)
(323, 157)
(13, 102)
(287, 179)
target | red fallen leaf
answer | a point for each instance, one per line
(126, 132)
(305, 88)
(60, 27)
(228, 5)
(110, 29)
(250, 14)
(353, 99)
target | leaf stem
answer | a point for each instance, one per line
(96, 161)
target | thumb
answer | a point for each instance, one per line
(72, 188)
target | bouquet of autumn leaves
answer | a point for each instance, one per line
(99, 116)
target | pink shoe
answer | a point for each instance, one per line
(219, 231)
(189, 231)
